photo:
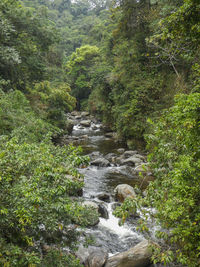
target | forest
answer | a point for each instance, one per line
(134, 65)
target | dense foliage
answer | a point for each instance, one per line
(37, 181)
(133, 63)
(39, 205)
(175, 159)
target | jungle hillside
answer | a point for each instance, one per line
(134, 65)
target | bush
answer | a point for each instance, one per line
(37, 182)
(175, 159)
(51, 102)
(18, 119)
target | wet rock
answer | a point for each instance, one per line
(94, 155)
(103, 211)
(75, 113)
(132, 161)
(138, 256)
(101, 162)
(110, 157)
(104, 197)
(123, 191)
(97, 257)
(78, 117)
(120, 150)
(85, 123)
(119, 160)
(129, 153)
(85, 114)
(82, 254)
(109, 135)
(92, 256)
(140, 157)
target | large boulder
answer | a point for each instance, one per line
(82, 254)
(123, 191)
(78, 117)
(92, 256)
(138, 256)
(101, 162)
(85, 123)
(132, 161)
(97, 257)
(85, 114)
(75, 113)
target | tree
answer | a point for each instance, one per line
(79, 69)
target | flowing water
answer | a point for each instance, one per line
(107, 234)
(103, 180)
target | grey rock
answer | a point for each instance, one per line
(85, 114)
(138, 256)
(86, 123)
(94, 155)
(104, 197)
(101, 162)
(92, 256)
(78, 117)
(129, 153)
(119, 160)
(103, 211)
(110, 157)
(120, 150)
(82, 254)
(109, 135)
(132, 161)
(139, 156)
(75, 113)
(123, 191)
(97, 257)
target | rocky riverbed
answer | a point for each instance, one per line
(109, 179)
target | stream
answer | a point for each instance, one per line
(101, 181)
